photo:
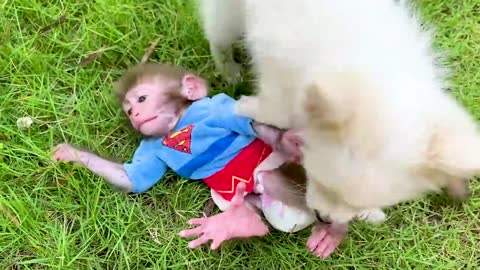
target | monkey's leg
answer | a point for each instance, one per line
(220, 202)
(223, 204)
(223, 25)
(240, 220)
(283, 202)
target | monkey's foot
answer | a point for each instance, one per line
(247, 106)
(238, 221)
(326, 238)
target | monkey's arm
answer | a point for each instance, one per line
(111, 171)
(138, 176)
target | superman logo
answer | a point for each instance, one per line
(180, 140)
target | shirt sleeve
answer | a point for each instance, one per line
(145, 170)
(225, 109)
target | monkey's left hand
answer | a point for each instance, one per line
(66, 153)
(238, 221)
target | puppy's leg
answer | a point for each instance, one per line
(223, 25)
(457, 189)
(272, 110)
(248, 106)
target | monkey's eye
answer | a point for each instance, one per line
(129, 112)
(142, 99)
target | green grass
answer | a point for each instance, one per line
(62, 216)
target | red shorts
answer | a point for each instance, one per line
(239, 169)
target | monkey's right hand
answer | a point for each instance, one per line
(290, 145)
(238, 221)
(66, 153)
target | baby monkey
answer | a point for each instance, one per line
(201, 138)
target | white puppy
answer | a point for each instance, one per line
(361, 80)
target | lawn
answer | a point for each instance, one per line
(58, 60)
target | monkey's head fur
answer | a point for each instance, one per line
(148, 71)
(154, 96)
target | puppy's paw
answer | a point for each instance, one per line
(247, 106)
(232, 72)
(372, 215)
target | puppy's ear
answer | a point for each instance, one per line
(326, 103)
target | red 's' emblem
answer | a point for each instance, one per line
(180, 140)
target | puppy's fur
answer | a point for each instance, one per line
(363, 82)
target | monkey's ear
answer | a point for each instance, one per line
(194, 87)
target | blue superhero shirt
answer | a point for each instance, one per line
(206, 138)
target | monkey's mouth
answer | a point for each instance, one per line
(146, 121)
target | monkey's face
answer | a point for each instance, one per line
(150, 110)
(154, 106)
